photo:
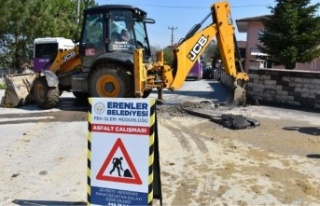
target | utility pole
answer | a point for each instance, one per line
(172, 34)
(78, 11)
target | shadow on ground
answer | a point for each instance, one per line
(65, 104)
(69, 110)
(305, 130)
(314, 156)
(46, 202)
(219, 93)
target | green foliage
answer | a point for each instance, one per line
(155, 49)
(2, 86)
(210, 53)
(22, 21)
(292, 33)
(168, 55)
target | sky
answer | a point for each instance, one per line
(182, 15)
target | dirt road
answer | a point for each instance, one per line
(276, 163)
(202, 163)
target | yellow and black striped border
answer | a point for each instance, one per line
(151, 150)
(89, 154)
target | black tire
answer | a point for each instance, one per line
(44, 96)
(146, 93)
(81, 96)
(110, 80)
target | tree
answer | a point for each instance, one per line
(155, 49)
(22, 21)
(292, 33)
(210, 52)
(168, 55)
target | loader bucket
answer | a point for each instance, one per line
(18, 91)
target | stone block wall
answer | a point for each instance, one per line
(285, 87)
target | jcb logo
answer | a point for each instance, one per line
(69, 56)
(197, 48)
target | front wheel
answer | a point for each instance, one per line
(44, 96)
(146, 93)
(111, 80)
(81, 96)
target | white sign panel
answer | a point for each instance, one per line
(120, 131)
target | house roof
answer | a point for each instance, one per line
(242, 24)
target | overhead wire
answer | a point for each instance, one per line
(187, 7)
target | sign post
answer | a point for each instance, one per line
(121, 152)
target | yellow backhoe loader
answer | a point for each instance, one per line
(113, 58)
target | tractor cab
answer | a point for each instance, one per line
(113, 31)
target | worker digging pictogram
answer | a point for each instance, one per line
(117, 165)
(112, 168)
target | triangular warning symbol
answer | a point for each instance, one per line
(130, 180)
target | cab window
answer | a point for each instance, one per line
(141, 35)
(93, 33)
(120, 31)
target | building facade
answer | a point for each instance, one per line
(254, 57)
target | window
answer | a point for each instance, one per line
(93, 29)
(260, 33)
(48, 50)
(121, 31)
(141, 34)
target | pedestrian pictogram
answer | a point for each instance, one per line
(117, 173)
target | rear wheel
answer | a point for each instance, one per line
(44, 96)
(111, 80)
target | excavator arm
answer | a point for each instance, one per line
(195, 43)
(159, 75)
(189, 51)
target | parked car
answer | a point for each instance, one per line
(207, 72)
(196, 71)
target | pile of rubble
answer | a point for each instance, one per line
(214, 111)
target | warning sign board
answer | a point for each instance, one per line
(116, 162)
(120, 151)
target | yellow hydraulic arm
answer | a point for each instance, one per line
(195, 43)
(159, 75)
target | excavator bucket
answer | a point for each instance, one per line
(239, 96)
(18, 91)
